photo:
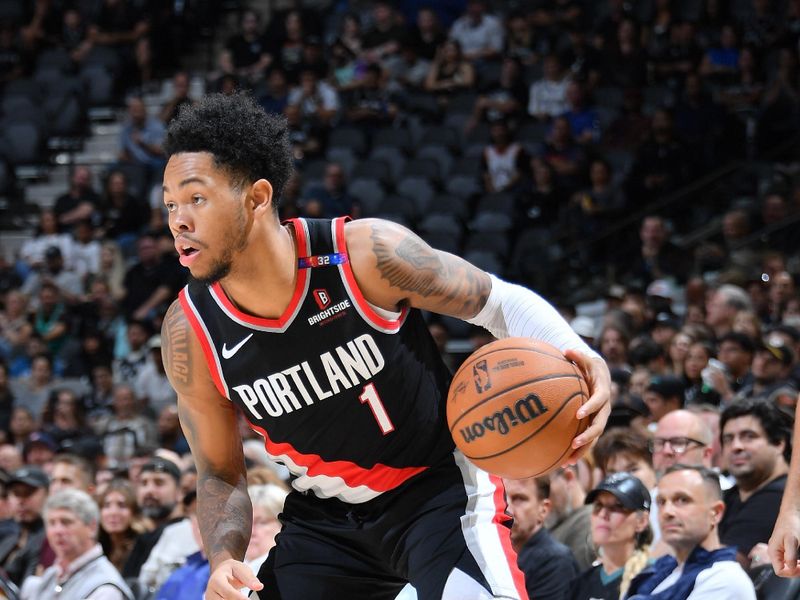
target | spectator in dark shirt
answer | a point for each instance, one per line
(368, 103)
(564, 154)
(507, 100)
(661, 164)
(246, 54)
(736, 353)
(630, 129)
(124, 28)
(80, 202)
(548, 565)
(427, 35)
(657, 256)
(12, 58)
(625, 65)
(331, 198)
(383, 39)
(146, 283)
(771, 370)
(123, 214)
(679, 57)
(756, 440)
(621, 530)
(276, 96)
(180, 97)
(19, 551)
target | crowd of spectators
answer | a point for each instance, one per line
(508, 132)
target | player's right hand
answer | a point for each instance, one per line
(783, 544)
(229, 578)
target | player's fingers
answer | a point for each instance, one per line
(594, 430)
(783, 554)
(245, 575)
(229, 590)
(790, 543)
(580, 359)
(576, 456)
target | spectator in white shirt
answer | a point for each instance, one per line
(548, 96)
(690, 509)
(481, 36)
(80, 569)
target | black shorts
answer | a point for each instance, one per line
(450, 516)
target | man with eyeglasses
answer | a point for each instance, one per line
(682, 437)
(690, 507)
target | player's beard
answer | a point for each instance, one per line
(221, 267)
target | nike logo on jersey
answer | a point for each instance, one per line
(229, 352)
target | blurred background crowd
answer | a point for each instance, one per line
(634, 162)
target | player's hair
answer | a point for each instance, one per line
(776, 422)
(244, 140)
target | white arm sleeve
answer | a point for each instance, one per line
(512, 310)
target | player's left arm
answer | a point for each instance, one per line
(395, 268)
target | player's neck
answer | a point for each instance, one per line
(263, 279)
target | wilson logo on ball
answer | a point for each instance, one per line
(480, 372)
(502, 421)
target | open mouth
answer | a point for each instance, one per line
(187, 250)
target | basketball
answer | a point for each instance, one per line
(511, 407)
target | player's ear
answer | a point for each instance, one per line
(260, 197)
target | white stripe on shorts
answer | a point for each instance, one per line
(481, 532)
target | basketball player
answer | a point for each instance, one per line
(311, 328)
(784, 544)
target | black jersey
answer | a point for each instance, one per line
(349, 397)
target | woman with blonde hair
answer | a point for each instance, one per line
(121, 522)
(267, 505)
(621, 532)
(112, 268)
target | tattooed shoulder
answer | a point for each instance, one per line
(175, 347)
(444, 283)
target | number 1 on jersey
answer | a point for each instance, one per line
(370, 394)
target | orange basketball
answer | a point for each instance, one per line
(511, 407)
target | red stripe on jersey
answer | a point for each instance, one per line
(504, 533)
(300, 285)
(380, 478)
(205, 343)
(366, 309)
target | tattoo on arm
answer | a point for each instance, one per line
(225, 518)
(175, 349)
(224, 510)
(455, 286)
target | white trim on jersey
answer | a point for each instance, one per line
(481, 531)
(324, 486)
(217, 363)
